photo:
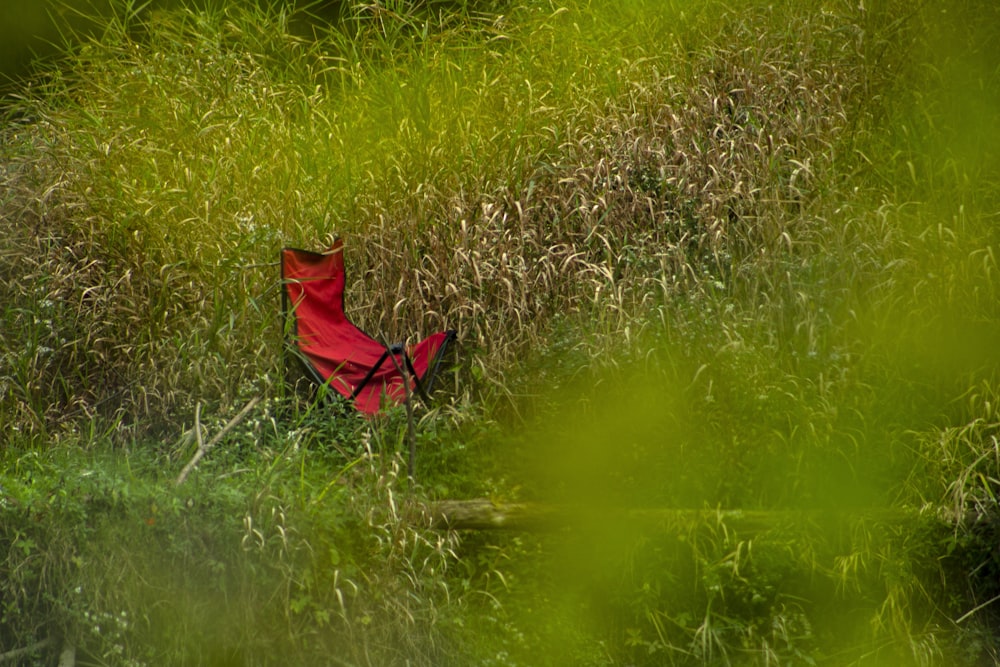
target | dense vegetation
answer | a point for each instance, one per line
(734, 257)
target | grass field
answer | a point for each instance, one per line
(719, 257)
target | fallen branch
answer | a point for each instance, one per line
(27, 650)
(68, 656)
(485, 514)
(202, 447)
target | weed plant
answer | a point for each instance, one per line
(725, 280)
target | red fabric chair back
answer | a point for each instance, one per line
(340, 354)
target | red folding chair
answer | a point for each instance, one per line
(337, 353)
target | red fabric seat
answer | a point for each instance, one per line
(338, 353)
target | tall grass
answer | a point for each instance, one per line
(489, 171)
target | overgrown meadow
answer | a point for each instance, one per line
(726, 286)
